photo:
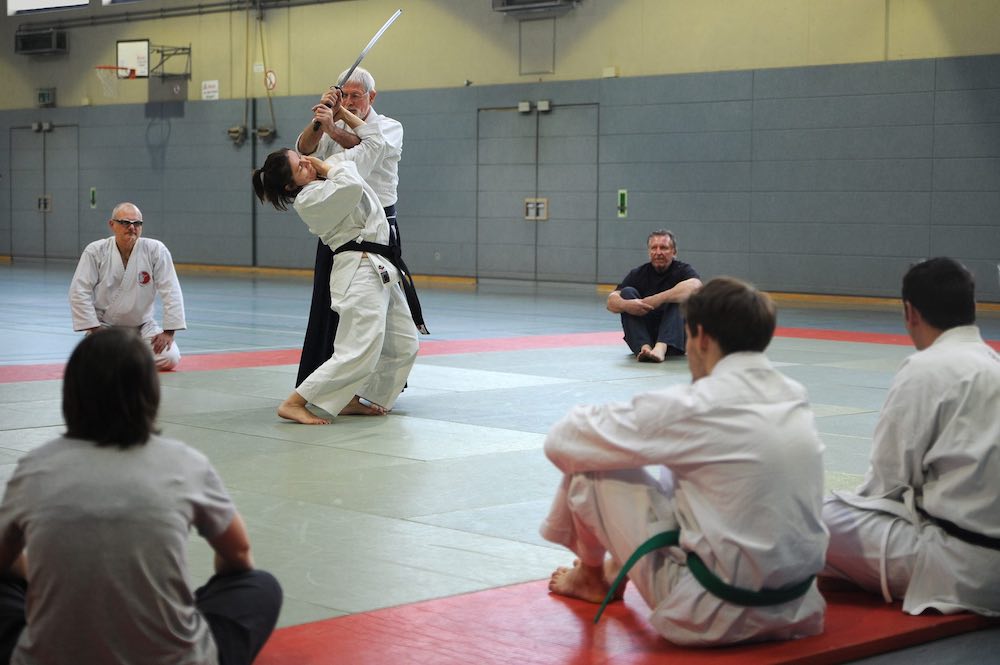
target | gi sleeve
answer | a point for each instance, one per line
(392, 131)
(367, 154)
(169, 289)
(904, 432)
(324, 204)
(623, 435)
(81, 290)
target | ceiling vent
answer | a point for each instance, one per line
(527, 9)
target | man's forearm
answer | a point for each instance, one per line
(615, 302)
(677, 294)
(308, 140)
(344, 138)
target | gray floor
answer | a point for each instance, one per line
(443, 496)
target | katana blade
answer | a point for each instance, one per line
(364, 52)
(361, 57)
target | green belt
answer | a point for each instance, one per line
(708, 579)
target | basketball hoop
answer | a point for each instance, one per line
(108, 75)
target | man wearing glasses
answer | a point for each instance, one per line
(116, 283)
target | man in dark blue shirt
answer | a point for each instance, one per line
(649, 299)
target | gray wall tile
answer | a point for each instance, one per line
(843, 175)
(856, 111)
(824, 179)
(835, 80)
(968, 73)
(967, 106)
(972, 140)
(853, 143)
(967, 174)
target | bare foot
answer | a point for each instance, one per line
(300, 414)
(357, 407)
(583, 582)
(648, 355)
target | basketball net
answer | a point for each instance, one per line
(109, 76)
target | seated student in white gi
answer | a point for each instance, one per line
(924, 526)
(376, 341)
(736, 512)
(116, 283)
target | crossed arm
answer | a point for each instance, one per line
(326, 113)
(642, 306)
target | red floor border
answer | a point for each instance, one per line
(270, 358)
(523, 624)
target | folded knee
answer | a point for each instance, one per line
(166, 363)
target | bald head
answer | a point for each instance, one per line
(126, 210)
(126, 225)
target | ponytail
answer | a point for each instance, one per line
(271, 181)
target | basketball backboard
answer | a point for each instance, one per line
(134, 54)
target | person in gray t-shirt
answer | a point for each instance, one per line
(105, 512)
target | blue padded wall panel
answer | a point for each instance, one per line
(827, 179)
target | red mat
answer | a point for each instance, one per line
(212, 361)
(524, 625)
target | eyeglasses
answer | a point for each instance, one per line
(129, 222)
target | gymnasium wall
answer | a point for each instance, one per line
(822, 178)
(442, 43)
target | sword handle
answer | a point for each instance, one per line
(329, 106)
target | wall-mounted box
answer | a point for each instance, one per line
(41, 42)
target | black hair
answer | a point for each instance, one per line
(273, 183)
(943, 291)
(111, 391)
(734, 313)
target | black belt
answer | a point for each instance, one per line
(956, 531)
(392, 255)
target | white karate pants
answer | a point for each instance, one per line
(374, 350)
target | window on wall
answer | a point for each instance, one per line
(25, 6)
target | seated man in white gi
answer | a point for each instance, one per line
(924, 526)
(116, 283)
(732, 526)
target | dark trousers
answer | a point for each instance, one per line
(317, 347)
(663, 324)
(241, 610)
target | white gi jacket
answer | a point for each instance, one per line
(936, 451)
(745, 459)
(343, 207)
(105, 291)
(383, 177)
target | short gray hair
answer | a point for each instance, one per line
(664, 232)
(362, 77)
(124, 204)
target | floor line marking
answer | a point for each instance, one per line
(274, 357)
